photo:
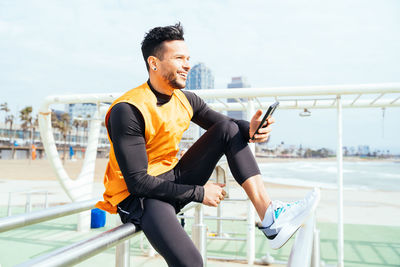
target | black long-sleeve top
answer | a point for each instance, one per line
(126, 128)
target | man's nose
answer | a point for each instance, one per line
(186, 65)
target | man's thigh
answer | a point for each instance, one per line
(163, 230)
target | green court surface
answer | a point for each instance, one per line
(365, 245)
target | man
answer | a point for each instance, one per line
(147, 184)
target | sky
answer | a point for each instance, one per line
(70, 47)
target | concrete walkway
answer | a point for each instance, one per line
(365, 245)
(28, 242)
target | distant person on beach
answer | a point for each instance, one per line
(147, 184)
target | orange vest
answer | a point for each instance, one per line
(164, 127)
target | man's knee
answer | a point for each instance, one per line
(228, 128)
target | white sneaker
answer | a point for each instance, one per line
(288, 217)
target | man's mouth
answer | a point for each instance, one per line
(183, 74)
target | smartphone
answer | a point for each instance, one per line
(268, 114)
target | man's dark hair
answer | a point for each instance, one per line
(152, 44)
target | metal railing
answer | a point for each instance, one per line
(306, 243)
(85, 249)
(220, 235)
(28, 202)
(16, 221)
(305, 250)
(80, 251)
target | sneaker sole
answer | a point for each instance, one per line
(287, 232)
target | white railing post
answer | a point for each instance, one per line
(28, 204)
(219, 222)
(250, 112)
(221, 178)
(122, 253)
(339, 157)
(301, 252)
(316, 256)
(199, 233)
(251, 241)
(122, 257)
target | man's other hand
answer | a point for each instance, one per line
(213, 194)
(263, 133)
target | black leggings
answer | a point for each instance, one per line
(158, 220)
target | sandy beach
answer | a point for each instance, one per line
(360, 206)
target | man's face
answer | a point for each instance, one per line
(174, 65)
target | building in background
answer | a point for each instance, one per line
(80, 116)
(200, 77)
(80, 110)
(238, 82)
(363, 150)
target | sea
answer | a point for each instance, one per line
(358, 175)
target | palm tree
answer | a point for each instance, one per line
(54, 125)
(85, 125)
(77, 123)
(25, 116)
(4, 107)
(10, 119)
(35, 125)
(64, 127)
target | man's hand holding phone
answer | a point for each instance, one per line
(260, 133)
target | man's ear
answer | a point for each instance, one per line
(152, 61)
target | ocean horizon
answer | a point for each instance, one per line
(357, 175)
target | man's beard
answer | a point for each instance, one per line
(172, 80)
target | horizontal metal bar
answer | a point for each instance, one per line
(22, 192)
(347, 89)
(214, 218)
(224, 218)
(301, 90)
(235, 199)
(12, 222)
(226, 238)
(80, 251)
(309, 104)
(282, 100)
(226, 258)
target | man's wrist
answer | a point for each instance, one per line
(198, 193)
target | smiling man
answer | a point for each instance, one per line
(147, 184)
